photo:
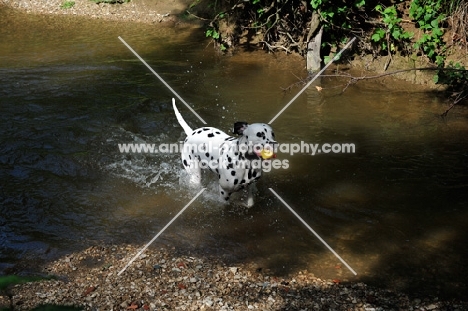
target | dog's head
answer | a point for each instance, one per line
(259, 136)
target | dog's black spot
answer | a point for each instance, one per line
(185, 163)
(210, 135)
(207, 154)
(236, 181)
(199, 131)
(254, 174)
(206, 129)
(249, 175)
(229, 159)
(230, 166)
(218, 132)
(242, 181)
(211, 158)
(233, 173)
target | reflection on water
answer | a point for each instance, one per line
(395, 210)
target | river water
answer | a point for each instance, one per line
(396, 209)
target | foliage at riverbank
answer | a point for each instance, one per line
(423, 27)
(433, 30)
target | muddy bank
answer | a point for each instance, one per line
(164, 279)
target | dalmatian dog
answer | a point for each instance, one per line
(236, 160)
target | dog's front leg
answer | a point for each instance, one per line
(225, 194)
(250, 196)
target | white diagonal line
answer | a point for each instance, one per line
(315, 233)
(162, 80)
(159, 233)
(313, 79)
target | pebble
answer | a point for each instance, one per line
(135, 11)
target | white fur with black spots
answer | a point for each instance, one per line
(229, 157)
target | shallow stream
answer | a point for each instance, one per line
(396, 209)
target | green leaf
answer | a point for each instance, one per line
(376, 37)
(359, 3)
(8, 280)
(438, 32)
(314, 3)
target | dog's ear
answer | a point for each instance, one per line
(239, 127)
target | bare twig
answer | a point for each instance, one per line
(196, 16)
(271, 47)
(352, 80)
(459, 98)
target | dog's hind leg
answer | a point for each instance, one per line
(192, 166)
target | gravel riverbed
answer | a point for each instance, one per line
(145, 11)
(162, 279)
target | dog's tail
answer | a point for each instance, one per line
(187, 129)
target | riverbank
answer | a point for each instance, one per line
(143, 11)
(163, 279)
(169, 13)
